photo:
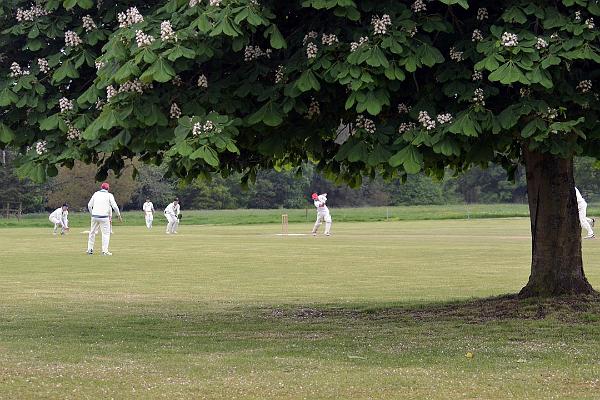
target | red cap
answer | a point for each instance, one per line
(314, 196)
(105, 186)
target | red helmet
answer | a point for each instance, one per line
(314, 196)
(105, 186)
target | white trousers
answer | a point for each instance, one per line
(584, 221)
(320, 218)
(57, 222)
(173, 223)
(149, 220)
(102, 224)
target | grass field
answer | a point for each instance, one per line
(247, 217)
(380, 310)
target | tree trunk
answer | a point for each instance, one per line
(556, 261)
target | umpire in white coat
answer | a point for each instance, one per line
(100, 206)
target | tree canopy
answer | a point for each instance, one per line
(232, 85)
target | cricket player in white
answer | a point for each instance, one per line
(586, 223)
(148, 208)
(322, 213)
(172, 213)
(100, 206)
(60, 217)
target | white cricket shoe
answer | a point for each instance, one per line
(168, 233)
(90, 252)
(106, 253)
(592, 236)
(328, 234)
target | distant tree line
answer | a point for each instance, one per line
(272, 189)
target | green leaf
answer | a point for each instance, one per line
(410, 158)
(7, 97)
(85, 4)
(49, 123)
(68, 4)
(464, 125)
(308, 81)
(6, 134)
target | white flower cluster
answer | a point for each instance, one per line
(478, 97)
(355, 45)
(314, 109)
(100, 65)
(403, 108)
(142, 39)
(65, 105)
(551, 114)
(554, 36)
(43, 64)
(444, 118)
(130, 17)
(135, 86)
(418, 6)
(365, 123)
(175, 111)
(590, 23)
(412, 32)
(88, 23)
(456, 55)
(166, 31)
(110, 92)
(380, 25)
(203, 81)
(16, 71)
(509, 39)
(41, 147)
(279, 74)
(406, 126)
(73, 133)
(577, 16)
(329, 40)
(477, 36)
(426, 121)
(311, 50)
(194, 3)
(31, 14)
(541, 44)
(255, 52)
(584, 86)
(99, 104)
(482, 14)
(312, 35)
(72, 39)
(524, 92)
(177, 81)
(200, 129)
(477, 76)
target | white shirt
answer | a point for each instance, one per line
(320, 204)
(173, 209)
(148, 207)
(580, 200)
(102, 203)
(60, 215)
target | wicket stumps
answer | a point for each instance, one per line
(284, 224)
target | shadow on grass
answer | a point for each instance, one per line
(575, 309)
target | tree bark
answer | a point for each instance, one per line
(556, 261)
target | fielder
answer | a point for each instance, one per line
(148, 209)
(60, 217)
(100, 206)
(173, 213)
(322, 213)
(585, 222)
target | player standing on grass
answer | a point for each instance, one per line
(585, 222)
(322, 213)
(101, 205)
(148, 208)
(60, 217)
(173, 213)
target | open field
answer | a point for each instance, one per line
(247, 217)
(380, 310)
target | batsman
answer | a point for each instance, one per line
(322, 213)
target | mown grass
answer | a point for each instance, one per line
(379, 310)
(247, 217)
